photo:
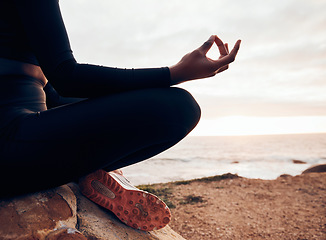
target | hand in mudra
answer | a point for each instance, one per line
(196, 65)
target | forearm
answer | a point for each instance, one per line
(84, 80)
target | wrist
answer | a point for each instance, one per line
(174, 75)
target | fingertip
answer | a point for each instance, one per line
(218, 41)
(207, 45)
(237, 44)
(212, 38)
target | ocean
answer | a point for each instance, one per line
(264, 157)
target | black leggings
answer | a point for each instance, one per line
(48, 148)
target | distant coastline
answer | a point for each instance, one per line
(256, 156)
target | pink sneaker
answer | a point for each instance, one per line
(136, 208)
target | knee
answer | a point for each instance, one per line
(186, 109)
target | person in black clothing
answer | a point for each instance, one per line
(61, 120)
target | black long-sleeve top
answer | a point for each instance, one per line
(33, 31)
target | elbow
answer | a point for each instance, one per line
(62, 78)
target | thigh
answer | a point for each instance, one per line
(112, 115)
(64, 143)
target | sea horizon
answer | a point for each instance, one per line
(250, 156)
(267, 134)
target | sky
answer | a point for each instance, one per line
(277, 84)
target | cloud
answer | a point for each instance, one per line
(280, 69)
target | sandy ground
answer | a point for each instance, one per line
(239, 208)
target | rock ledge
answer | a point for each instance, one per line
(63, 213)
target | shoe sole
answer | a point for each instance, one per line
(136, 208)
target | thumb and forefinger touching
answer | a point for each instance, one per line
(226, 56)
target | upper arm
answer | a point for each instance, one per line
(47, 36)
(45, 31)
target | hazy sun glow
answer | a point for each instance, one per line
(276, 85)
(243, 125)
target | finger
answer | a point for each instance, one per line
(221, 46)
(235, 49)
(227, 47)
(231, 56)
(223, 69)
(207, 45)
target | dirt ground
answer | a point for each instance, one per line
(240, 208)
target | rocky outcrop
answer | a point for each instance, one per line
(63, 213)
(35, 216)
(316, 169)
(298, 161)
